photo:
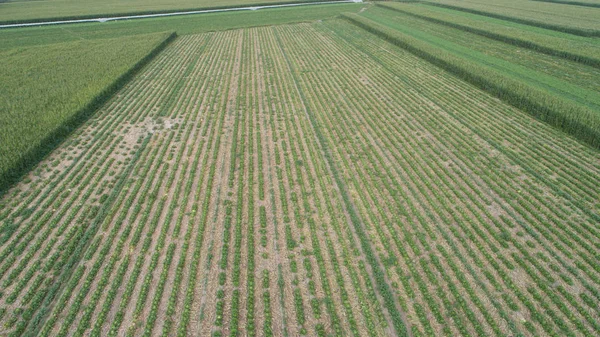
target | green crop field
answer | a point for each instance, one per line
(578, 20)
(552, 43)
(46, 90)
(50, 87)
(183, 25)
(389, 169)
(29, 10)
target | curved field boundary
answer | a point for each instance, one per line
(560, 28)
(145, 15)
(503, 38)
(571, 3)
(578, 121)
(33, 156)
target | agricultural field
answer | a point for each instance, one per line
(46, 90)
(393, 171)
(578, 20)
(564, 45)
(562, 79)
(31, 10)
(183, 25)
(50, 87)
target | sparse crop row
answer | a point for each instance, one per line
(210, 160)
(326, 210)
(378, 274)
(210, 156)
(93, 173)
(543, 202)
(104, 172)
(147, 241)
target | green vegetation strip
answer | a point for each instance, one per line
(183, 25)
(59, 102)
(580, 122)
(552, 47)
(560, 28)
(378, 273)
(148, 12)
(573, 3)
(567, 84)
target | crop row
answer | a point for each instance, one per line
(137, 232)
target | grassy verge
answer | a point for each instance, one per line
(578, 121)
(49, 91)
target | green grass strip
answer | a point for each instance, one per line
(572, 3)
(149, 12)
(521, 73)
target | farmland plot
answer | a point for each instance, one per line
(197, 201)
(459, 216)
(578, 20)
(24, 10)
(47, 91)
(306, 179)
